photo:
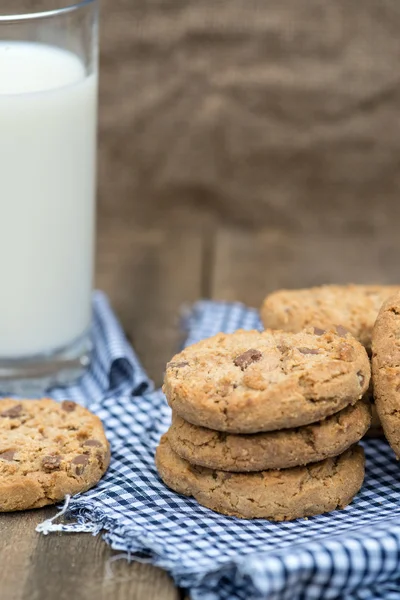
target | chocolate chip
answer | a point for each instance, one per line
(80, 463)
(247, 358)
(68, 405)
(319, 331)
(51, 463)
(177, 365)
(13, 412)
(8, 455)
(95, 443)
(308, 350)
(342, 331)
(361, 378)
(81, 459)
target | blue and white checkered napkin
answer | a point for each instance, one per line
(352, 554)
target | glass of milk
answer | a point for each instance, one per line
(48, 122)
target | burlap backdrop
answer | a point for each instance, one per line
(263, 111)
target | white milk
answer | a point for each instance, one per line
(47, 197)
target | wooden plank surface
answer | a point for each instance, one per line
(78, 566)
(250, 264)
(66, 566)
(17, 545)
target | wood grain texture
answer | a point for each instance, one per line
(149, 275)
(249, 264)
(70, 566)
(65, 566)
(17, 545)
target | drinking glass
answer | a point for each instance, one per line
(48, 131)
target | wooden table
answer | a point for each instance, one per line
(149, 272)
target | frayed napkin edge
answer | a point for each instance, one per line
(135, 543)
(139, 547)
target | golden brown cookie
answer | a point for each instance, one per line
(386, 369)
(354, 307)
(47, 450)
(271, 450)
(275, 495)
(247, 381)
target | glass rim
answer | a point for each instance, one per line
(46, 13)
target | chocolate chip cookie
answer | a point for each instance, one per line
(47, 450)
(249, 382)
(386, 369)
(271, 450)
(274, 495)
(354, 307)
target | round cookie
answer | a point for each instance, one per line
(248, 382)
(354, 307)
(274, 495)
(386, 369)
(47, 450)
(271, 450)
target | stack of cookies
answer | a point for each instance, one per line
(266, 425)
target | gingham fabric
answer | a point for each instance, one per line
(352, 554)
